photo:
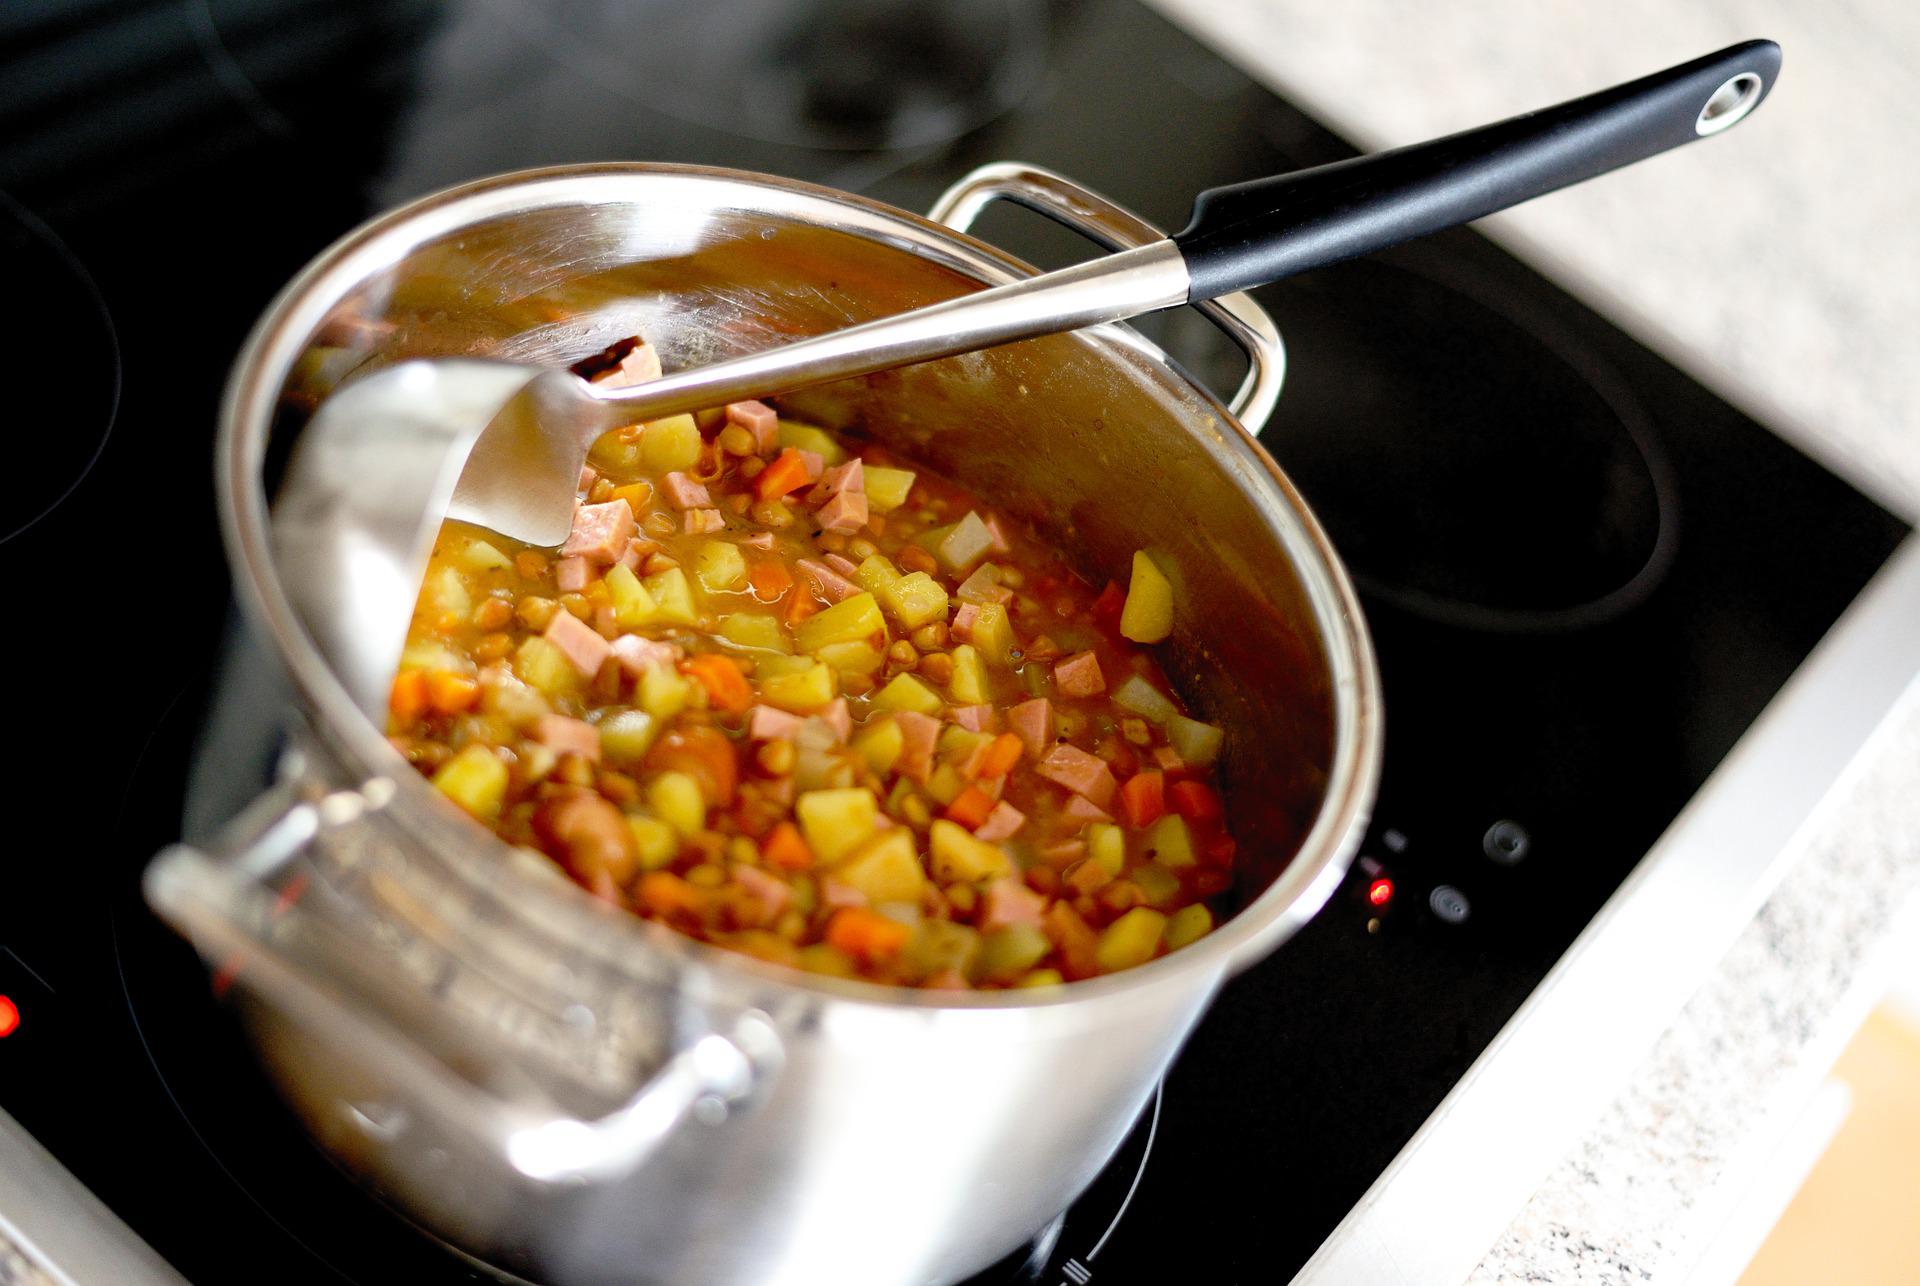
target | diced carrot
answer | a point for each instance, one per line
(970, 807)
(636, 494)
(1001, 756)
(1106, 608)
(785, 849)
(1220, 851)
(1074, 938)
(1143, 798)
(866, 934)
(409, 696)
(664, 893)
(769, 580)
(724, 682)
(787, 473)
(1194, 800)
(450, 693)
(800, 607)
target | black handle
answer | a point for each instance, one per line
(1252, 233)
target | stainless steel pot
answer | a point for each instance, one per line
(571, 1094)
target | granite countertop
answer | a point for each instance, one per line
(1775, 264)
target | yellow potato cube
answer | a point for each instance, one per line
(887, 489)
(875, 573)
(656, 842)
(836, 822)
(476, 780)
(885, 868)
(914, 600)
(1197, 743)
(880, 744)
(945, 783)
(664, 692)
(852, 620)
(1107, 846)
(907, 693)
(1130, 940)
(672, 597)
(1169, 842)
(993, 633)
(960, 858)
(670, 444)
(627, 735)
(482, 556)
(633, 606)
(969, 682)
(800, 693)
(445, 595)
(1188, 924)
(1147, 616)
(807, 437)
(1160, 885)
(853, 658)
(543, 666)
(720, 566)
(755, 630)
(676, 797)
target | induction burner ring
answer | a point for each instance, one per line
(59, 329)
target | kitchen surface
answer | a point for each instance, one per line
(1645, 856)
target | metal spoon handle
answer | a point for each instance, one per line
(1250, 234)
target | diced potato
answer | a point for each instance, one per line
(836, 822)
(914, 600)
(800, 693)
(720, 566)
(483, 556)
(1197, 743)
(941, 945)
(875, 573)
(852, 620)
(670, 444)
(1130, 940)
(1107, 845)
(672, 597)
(676, 797)
(965, 543)
(1169, 842)
(656, 842)
(1041, 978)
(445, 594)
(1160, 885)
(431, 654)
(880, 744)
(664, 692)
(1141, 697)
(755, 630)
(853, 658)
(959, 857)
(1008, 952)
(545, 667)
(907, 693)
(614, 452)
(945, 783)
(1147, 616)
(887, 489)
(476, 780)
(885, 868)
(956, 743)
(821, 958)
(969, 683)
(633, 606)
(1188, 924)
(807, 437)
(627, 735)
(993, 633)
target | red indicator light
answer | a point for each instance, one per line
(9, 1016)
(1380, 892)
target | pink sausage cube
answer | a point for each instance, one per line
(814, 463)
(845, 566)
(1032, 722)
(1079, 772)
(768, 893)
(828, 583)
(758, 419)
(567, 736)
(637, 655)
(700, 522)
(573, 636)
(847, 511)
(1004, 822)
(759, 540)
(600, 532)
(918, 733)
(961, 627)
(765, 723)
(835, 894)
(683, 492)
(1002, 536)
(630, 556)
(851, 476)
(572, 574)
(838, 718)
(1079, 675)
(588, 476)
(1080, 810)
(637, 367)
(1064, 853)
(973, 718)
(1009, 901)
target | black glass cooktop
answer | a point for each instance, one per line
(1586, 574)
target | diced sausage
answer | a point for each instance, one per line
(813, 464)
(1082, 810)
(1008, 901)
(759, 540)
(850, 477)
(845, 566)
(1079, 675)
(758, 419)
(918, 735)
(1004, 822)
(835, 894)
(588, 476)
(1002, 536)
(590, 837)
(577, 639)
(637, 367)
(1032, 722)
(600, 532)
(683, 492)
(973, 718)
(847, 511)
(769, 892)
(837, 717)
(828, 583)
(699, 522)
(572, 574)
(637, 655)
(567, 736)
(961, 627)
(765, 723)
(1063, 853)
(1079, 772)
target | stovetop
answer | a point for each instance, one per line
(1586, 575)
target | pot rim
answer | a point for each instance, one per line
(252, 395)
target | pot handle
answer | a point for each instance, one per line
(1115, 227)
(222, 899)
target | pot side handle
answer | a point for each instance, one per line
(1115, 227)
(219, 898)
